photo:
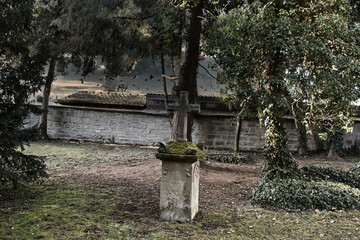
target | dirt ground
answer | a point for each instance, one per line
(222, 185)
(108, 191)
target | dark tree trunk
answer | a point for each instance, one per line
(46, 95)
(332, 154)
(278, 159)
(188, 70)
(336, 142)
(237, 135)
(302, 137)
(319, 143)
(166, 98)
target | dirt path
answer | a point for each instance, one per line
(99, 191)
(137, 171)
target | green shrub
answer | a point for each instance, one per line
(226, 157)
(356, 170)
(332, 174)
(293, 194)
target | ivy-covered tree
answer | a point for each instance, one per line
(281, 52)
(21, 68)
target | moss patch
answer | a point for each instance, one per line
(184, 148)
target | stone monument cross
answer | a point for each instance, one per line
(183, 108)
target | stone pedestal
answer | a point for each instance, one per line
(179, 190)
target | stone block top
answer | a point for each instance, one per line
(180, 151)
(110, 99)
(176, 158)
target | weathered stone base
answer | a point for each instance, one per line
(179, 191)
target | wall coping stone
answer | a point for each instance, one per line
(157, 112)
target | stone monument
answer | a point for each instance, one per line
(179, 189)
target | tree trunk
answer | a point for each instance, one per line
(188, 70)
(237, 135)
(336, 145)
(319, 143)
(332, 154)
(166, 98)
(302, 137)
(46, 95)
(278, 159)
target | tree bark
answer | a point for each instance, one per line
(332, 154)
(166, 98)
(336, 145)
(319, 143)
(237, 135)
(188, 70)
(278, 159)
(46, 96)
(302, 137)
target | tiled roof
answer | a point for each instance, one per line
(112, 99)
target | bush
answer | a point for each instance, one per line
(332, 174)
(21, 168)
(294, 194)
(226, 157)
(323, 188)
(21, 76)
(356, 170)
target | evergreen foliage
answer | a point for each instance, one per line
(323, 188)
(118, 31)
(332, 174)
(356, 169)
(21, 67)
(226, 157)
(295, 194)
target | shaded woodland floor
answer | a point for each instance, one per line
(100, 191)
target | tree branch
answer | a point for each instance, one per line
(207, 71)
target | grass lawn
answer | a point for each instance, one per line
(112, 192)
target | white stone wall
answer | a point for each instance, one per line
(105, 126)
(353, 137)
(217, 132)
(136, 127)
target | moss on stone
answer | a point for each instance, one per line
(184, 148)
(200, 145)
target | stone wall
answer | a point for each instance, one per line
(127, 127)
(217, 132)
(149, 128)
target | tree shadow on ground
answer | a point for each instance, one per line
(141, 201)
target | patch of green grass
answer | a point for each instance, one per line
(83, 154)
(58, 213)
(59, 210)
(78, 212)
